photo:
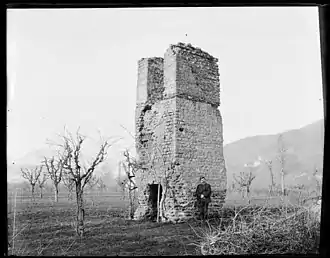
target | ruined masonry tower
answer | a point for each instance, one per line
(178, 122)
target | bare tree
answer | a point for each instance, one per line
(130, 167)
(318, 180)
(80, 173)
(55, 171)
(244, 181)
(281, 157)
(69, 185)
(269, 164)
(122, 186)
(101, 186)
(32, 175)
(41, 182)
(93, 181)
(120, 183)
(232, 186)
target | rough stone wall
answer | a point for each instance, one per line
(177, 119)
(154, 129)
(199, 148)
(191, 73)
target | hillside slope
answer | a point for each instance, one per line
(305, 151)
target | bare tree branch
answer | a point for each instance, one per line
(76, 172)
(244, 180)
(42, 180)
(269, 164)
(32, 175)
(54, 168)
(281, 157)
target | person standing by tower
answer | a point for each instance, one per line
(203, 194)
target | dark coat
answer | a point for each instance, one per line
(204, 189)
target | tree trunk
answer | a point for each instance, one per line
(243, 193)
(70, 196)
(56, 193)
(271, 181)
(282, 181)
(40, 192)
(272, 185)
(162, 202)
(80, 211)
(271, 190)
(131, 215)
(32, 191)
(158, 203)
(130, 205)
(248, 193)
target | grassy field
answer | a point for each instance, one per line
(46, 228)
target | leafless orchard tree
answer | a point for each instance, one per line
(54, 166)
(93, 181)
(41, 182)
(32, 175)
(130, 167)
(80, 173)
(122, 185)
(101, 186)
(318, 180)
(269, 164)
(69, 185)
(232, 186)
(244, 181)
(281, 157)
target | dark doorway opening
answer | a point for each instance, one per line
(153, 199)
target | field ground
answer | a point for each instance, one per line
(47, 228)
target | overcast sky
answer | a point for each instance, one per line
(79, 67)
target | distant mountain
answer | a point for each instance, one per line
(305, 151)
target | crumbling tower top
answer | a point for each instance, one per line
(184, 72)
(150, 80)
(191, 73)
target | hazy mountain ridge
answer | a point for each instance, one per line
(305, 151)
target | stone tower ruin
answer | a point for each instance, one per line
(178, 131)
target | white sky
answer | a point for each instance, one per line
(79, 67)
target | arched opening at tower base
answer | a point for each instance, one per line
(153, 190)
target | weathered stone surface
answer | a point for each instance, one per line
(177, 119)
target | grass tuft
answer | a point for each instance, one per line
(260, 230)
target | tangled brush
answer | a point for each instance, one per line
(261, 230)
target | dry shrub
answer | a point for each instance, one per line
(261, 230)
